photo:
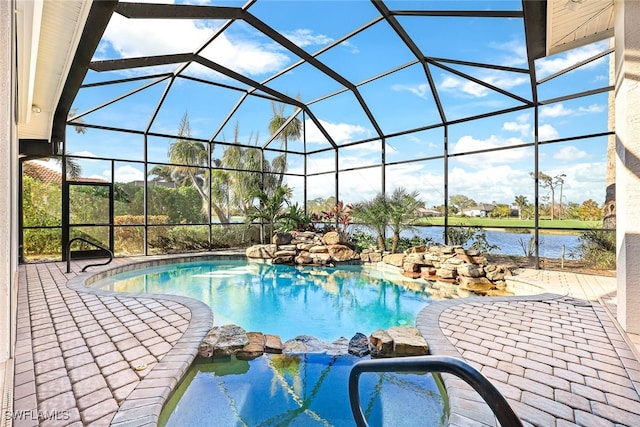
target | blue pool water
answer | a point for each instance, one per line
(288, 301)
(299, 390)
(293, 390)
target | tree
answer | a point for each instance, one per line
(460, 202)
(590, 211)
(521, 202)
(191, 161)
(374, 215)
(403, 210)
(271, 206)
(501, 210)
(546, 181)
(283, 132)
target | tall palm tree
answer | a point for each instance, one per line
(292, 131)
(271, 206)
(521, 202)
(191, 159)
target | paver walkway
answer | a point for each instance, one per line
(558, 359)
(98, 358)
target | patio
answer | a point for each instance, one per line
(95, 358)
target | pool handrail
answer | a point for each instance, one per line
(88, 265)
(451, 365)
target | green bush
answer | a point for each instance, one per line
(597, 248)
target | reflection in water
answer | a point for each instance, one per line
(286, 300)
(301, 390)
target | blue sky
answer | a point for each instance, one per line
(398, 101)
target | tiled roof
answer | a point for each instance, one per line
(41, 172)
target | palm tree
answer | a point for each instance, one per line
(521, 202)
(374, 214)
(292, 131)
(403, 209)
(191, 159)
(270, 206)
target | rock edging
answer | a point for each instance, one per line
(397, 341)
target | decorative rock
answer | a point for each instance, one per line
(375, 257)
(417, 250)
(303, 258)
(290, 248)
(318, 249)
(411, 267)
(272, 344)
(341, 252)
(338, 347)
(381, 344)
(478, 285)
(411, 274)
(282, 238)
(254, 348)
(394, 259)
(359, 345)
(470, 270)
(223, 341)
(331, 238)
(407, 341)
(287, 259)
(446, 272)
(304, 344)
(261, 251)
(414, 258)
(285, 253)
(496, 272)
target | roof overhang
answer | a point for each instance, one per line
(575, 23)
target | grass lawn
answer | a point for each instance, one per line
(514, 222)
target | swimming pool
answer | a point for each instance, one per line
(285, 300)
(299, 389)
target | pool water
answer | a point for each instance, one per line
(284, 300)
(299, 390)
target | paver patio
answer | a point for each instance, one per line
(89, 357)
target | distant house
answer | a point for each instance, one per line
(481, 210)
(44, 172)
(429, 212)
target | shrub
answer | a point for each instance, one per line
(597, 248)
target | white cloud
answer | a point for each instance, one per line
(516, 53)
(305, 37)
(149, 37)
(524, 128)
(468, 144)
(502, 81)
(125, 174)
(557, 110)
(569, 153)
(421, 90)
(85, 153)
(593, 108)
(548, 66)
(340, 132)
(547, 132)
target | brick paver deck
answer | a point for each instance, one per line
(90, 357)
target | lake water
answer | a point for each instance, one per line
(510, 242)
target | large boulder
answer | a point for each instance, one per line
(272, 344)
(282, 239)
(341, 253)
(331, 238)
(470, 270)
(381, 344)
(261, 251)
(477, 285)
(253, 349)
(394, 259)
(496, 272)
(407, 341)
(223, 341)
